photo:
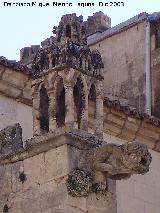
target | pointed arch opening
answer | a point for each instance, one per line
(44, 110)
(53, 62)
(79, 101)
(60, 104)
(92, 107)
(68, 31)
(89, 63)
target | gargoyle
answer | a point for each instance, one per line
(108, 161)
(120, 161)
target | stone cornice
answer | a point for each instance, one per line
(130, 126)
(42, 143)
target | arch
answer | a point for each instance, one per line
(92, 107)
(92, 82)
(44, 110)
(78, 75)
(60, 102)
(92, 102)
(89, 63)
(79, 101)
(53, 62)
(92, 93)
(68, 31)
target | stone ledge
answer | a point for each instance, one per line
(42, 143)
(65, 66)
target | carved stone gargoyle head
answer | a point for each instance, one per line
(121, 161)
(109, 161)
(136, 157)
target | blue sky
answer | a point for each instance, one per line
(25, 26)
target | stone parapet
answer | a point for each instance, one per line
(13, 64)
(43, 143)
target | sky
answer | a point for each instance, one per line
(22, 26)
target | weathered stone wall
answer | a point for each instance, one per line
(155, 73)
(15, 100)
(12, 112)
(140, 193)
(155, 76)
(15, 84)
(123, 57)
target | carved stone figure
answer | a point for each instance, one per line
(109, 161)
(83, 59)
(72, 52)
(10, 139)
(54, 30)
(120, 161)
(54, 52)
(96, 61)
(41, 61)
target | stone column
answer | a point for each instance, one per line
(69, 104)
(36, 113)
(99, 111)
(84, 118)
(52, 110)
(83, 63)
(50, 60)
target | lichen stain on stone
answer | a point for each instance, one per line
(80, 184)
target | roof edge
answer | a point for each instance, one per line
(125, 25)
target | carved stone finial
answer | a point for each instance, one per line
(68, 48)
(54, 30)
(41, 61)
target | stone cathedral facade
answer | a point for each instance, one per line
(79, 119)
